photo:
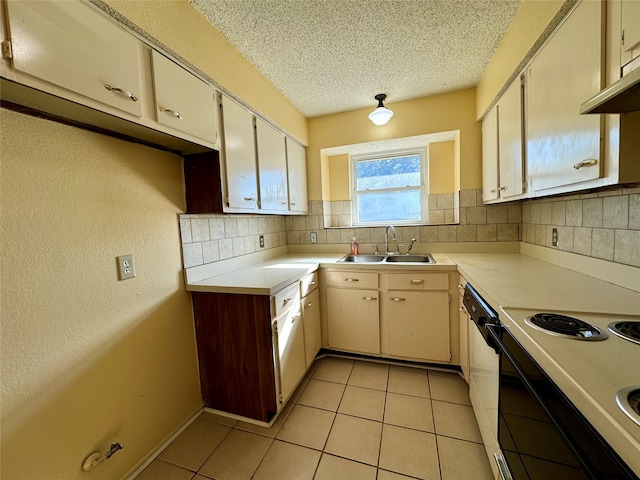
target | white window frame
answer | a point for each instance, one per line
(424, 186)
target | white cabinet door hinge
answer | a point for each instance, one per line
(7, 51)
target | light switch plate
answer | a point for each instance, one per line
(125, 267)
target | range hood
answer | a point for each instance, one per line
(622, 96)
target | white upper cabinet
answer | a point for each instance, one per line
(239, 157)
(272, 167)
(297, 176)
(563, 147)
(630, 35)
(70, 45)
(510, 141)
(490, 156)
(183, 101)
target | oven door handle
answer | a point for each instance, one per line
(581, 457)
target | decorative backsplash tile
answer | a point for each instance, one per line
(604, 224)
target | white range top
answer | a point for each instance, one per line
(590, 373)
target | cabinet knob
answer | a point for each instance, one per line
(293, 203)
(397, 299)
(307, 305)
(171, 113)
(585, 163)
(503, 188)
(369, 298)
(416, 282)
(283, 203)
(351, 280)
(249, 199)
(122, 92)
(493, 190)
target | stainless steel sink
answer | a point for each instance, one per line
(362, 258)
(426, 258)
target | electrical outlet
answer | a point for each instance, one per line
(314, 237)
(125, 267)
(261, 241)
(554, 237)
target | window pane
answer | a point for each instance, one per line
(388, 173)
(403, 205)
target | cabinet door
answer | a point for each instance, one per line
(297, 171)
(353, 321)
(272, 167)
(510, 141)
(183, 101)
(74, 47)
(419, 325)
(563, 147)
(490, 156)
(290, 352)
(311, 322)
(630, 30)
(239, 156)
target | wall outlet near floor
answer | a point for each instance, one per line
(554, 237)
(314, 237)
(125, 267)
(261, 241)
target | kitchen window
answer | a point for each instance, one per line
(390, 188)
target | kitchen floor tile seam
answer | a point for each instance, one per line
(403, 474)
(212, 451)
(458, 438)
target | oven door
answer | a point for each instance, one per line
(541, 433)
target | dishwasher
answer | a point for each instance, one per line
(484, 368)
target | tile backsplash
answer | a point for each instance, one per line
(604, 224)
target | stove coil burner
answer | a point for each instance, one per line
(561, 325)
(628, 330)
(628, 399)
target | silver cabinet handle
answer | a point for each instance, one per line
(585, 163)
(293, 203)
(122, 92)
(283, 203)
(249, 199)
(503, 188)
(397, 299)
(351, 280)
(493, 190)
(294, 318)
(287, 300)
(312, 283)
(171, 113)
(461, 309)
(369, 298)
(416, 282)
(307, 305)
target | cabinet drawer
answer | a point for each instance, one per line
(284, 299)
(418, 281)
(308, 284)
(352, 279)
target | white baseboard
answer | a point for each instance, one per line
(137, 470)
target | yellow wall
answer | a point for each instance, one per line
(339, 171)
(441, 164)
(88, 360)
(530, 21)
(439, 113)
(179, 26)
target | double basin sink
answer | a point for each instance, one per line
(388, 258)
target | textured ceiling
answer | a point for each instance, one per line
(329, 56)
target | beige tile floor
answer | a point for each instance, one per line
(348, 420)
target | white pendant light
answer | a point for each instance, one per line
(380, 115)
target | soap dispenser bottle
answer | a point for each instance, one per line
(354, 246)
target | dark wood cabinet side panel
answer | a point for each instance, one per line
(233, 333)
(203, 187)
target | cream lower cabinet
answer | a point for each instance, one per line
(311, 317)
(289, 331)
(353, 315)
(417, 316)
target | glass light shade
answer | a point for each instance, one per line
(380, 115)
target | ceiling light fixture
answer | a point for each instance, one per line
(380, 115)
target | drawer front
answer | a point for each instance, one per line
(284, 299)
(352, 279)
(418, 281)
(308, 284)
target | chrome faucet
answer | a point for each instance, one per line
(386, 237)
(413, 240)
